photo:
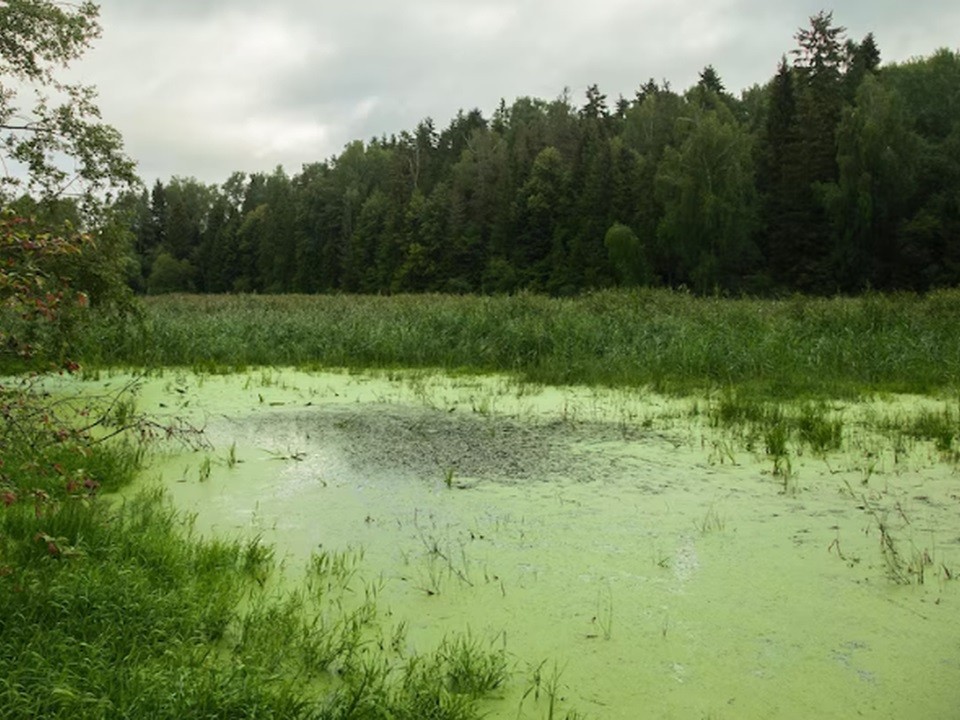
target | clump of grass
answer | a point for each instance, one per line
(469, 668)
(604, 616)
(711, 522)
(776, 426)
(817, 430)
(775, 439)
(546, 686)
(257, 560)
(738, 410)
(232, 456)
(941, 428)
(902, 566)
(206, 467)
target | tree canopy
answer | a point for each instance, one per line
(63, 246)
(54, 144)
(839, 174)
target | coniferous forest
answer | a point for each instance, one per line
(840, 174)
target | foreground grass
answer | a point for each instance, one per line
(115, 610)
(669, 341)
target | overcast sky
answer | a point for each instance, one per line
(204, 87)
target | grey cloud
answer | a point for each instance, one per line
(325, 73)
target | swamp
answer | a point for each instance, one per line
(550, 522)
(634, 550)
(636, 410)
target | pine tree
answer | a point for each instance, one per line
(818, 67)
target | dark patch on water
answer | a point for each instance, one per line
(396, 442)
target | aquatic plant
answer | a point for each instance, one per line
(204, 469)
(904, 567)
(604, 615)
(257, 559)
(207, 638)
(941, 428)
(817, 430)
(232, 455)
(711, 521)
(470, 668)
(541, 684)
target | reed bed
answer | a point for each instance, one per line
(669, 341)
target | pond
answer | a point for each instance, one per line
(630, 555)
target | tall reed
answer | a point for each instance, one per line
(670, 341)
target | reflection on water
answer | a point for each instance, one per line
(653, 561)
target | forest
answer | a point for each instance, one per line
(840, 174)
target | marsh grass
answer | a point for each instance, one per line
(668, 341)
(711, 522)
(116, 611)
(232, 460)
(817, 430)
(904, 561)
(545, 689)
(470, 667)
(942, 428)
(776, 427)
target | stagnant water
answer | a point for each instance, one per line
(659, 566)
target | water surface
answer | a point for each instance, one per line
(662, 569)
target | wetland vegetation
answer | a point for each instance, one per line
(669, 341)
(629, 502)
(339, 532)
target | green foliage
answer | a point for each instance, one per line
(706, 187)
(839, 174)
(878, 158)
(941, 428)
(113, 608)
(817, 430)
(39, 38)
(627, 255)
(170, 275)
(57, 256)
(41, 302)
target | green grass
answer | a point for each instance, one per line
(774, 424)
(669, 341)
(114, 609)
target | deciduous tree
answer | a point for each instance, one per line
(55, 144)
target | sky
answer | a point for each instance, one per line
(203, 88)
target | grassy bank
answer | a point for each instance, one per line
(666, 340)
(116, 610)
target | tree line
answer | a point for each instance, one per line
(838, 175)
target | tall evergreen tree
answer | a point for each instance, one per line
(818, 64)
(543, 203)
(862, 59)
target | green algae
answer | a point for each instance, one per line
(663, 566)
